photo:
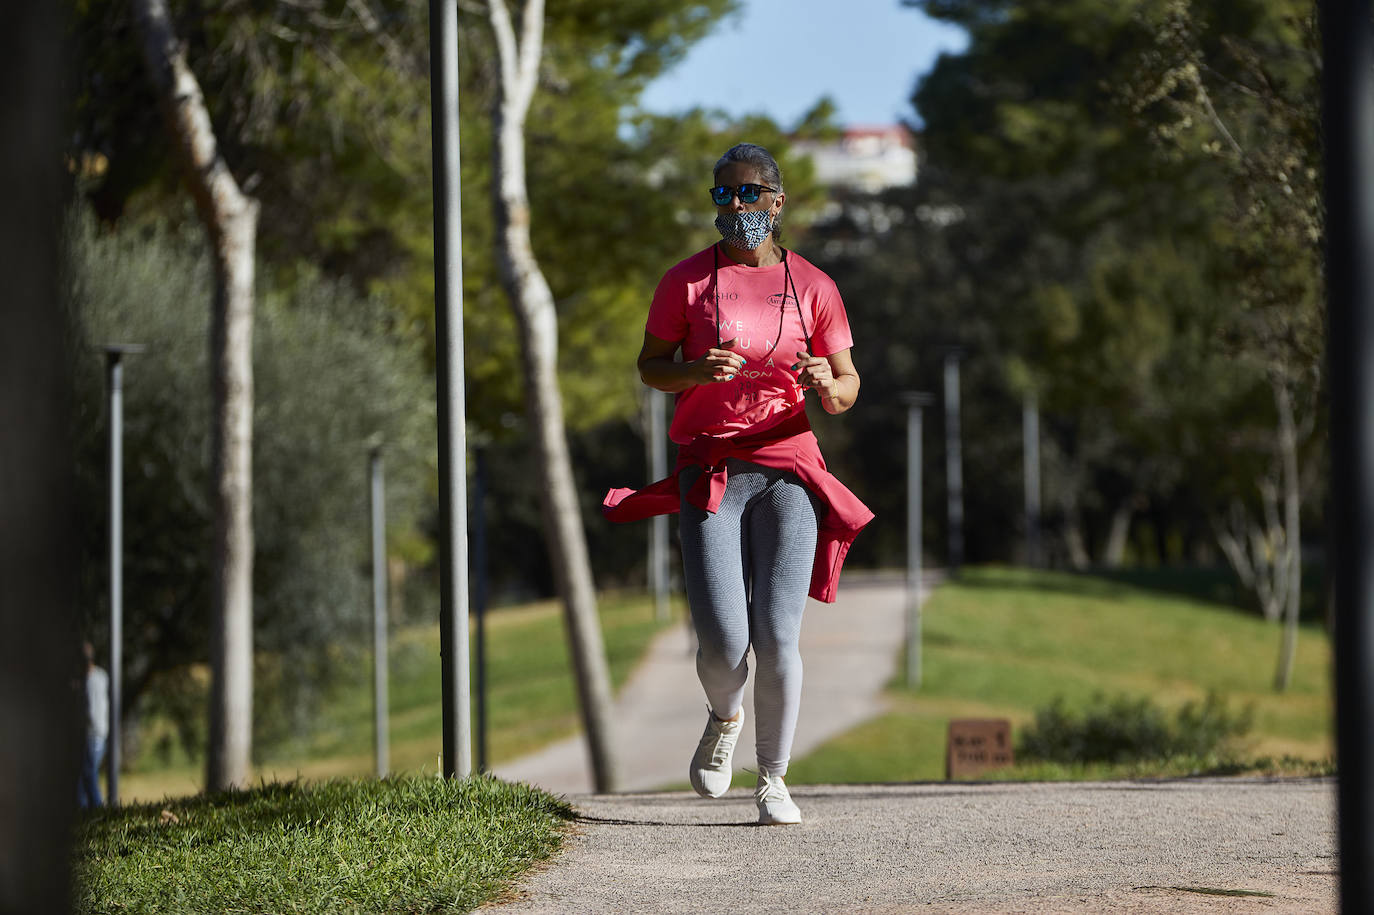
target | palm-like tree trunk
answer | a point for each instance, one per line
(538, 322)
(230, 219)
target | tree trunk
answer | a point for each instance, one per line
(1074, 540)
(230, 219)
(42, 704)
(1114, 554)
(1292, 510)
(1256, 549)
(534, 309)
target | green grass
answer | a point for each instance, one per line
(396, 845)
(1003, 642)
(531, 700)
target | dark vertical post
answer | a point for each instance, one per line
(379, 585)
(1348, 115)
(114, 375)
(658, 532)
(41, 734)
(1030, 446)
(115, 381)
(448, 345)
(954, 462)
(479, 597)
(915, 402)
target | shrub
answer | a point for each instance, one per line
(1123, 729)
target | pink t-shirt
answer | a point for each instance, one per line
(755, 308)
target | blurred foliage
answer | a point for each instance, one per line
(1082, 230)
(331, 380)
(1123, 729)
(1081, 237)
(324, 114)
(1238, 82)
(323, 111)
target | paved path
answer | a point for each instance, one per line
(1206, 845)
(849, 649)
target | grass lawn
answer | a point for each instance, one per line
(531, 700)
(1001, 643)
(396, 845)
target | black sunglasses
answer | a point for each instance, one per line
(722, 194)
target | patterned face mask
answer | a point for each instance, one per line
(745, 230)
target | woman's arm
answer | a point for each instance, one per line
(833, 376)
(658, 369)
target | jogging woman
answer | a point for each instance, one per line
(763, 523)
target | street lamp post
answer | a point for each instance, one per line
(954, 463)
(114, 371)
(915, 403)
(452, 413)
(1030, 443)
(379, 583)
(480, 578)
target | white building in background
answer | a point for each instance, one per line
(868, 159)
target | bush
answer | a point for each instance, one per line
(1124, 729)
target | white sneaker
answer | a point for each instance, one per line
(710, 771)
(775, 804)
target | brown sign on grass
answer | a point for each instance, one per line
(977, 745)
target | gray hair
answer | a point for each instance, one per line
(762, 160)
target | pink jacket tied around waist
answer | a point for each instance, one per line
(791, 445)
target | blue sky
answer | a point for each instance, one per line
(865, 54)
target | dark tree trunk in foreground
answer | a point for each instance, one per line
(41, 700)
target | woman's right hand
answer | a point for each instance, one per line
(659, 369)
(721, 363)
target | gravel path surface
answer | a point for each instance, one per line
(1206, 845)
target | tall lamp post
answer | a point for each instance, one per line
(379, 583)
(954, 462)
(448, 344)
(480, 578)
(114, 375)
(915, 402)
(1030, 444)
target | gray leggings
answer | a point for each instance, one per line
(748, 570)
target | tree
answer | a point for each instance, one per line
(344, 179)
(1238, 81)
(533, 304)
(1055, 201)
(1110, 282)
(230, 219)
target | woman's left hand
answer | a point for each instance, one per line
(813, 372)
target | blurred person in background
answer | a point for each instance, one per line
(763, 522)
(97, 728)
